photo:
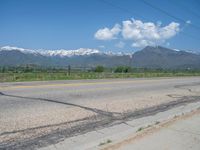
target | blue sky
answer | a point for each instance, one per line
(56, 24)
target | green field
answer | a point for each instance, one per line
(35, 73)
(42, 76)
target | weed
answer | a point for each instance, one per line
(140, 129)
(157, 122)
(106, 142)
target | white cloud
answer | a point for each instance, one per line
(169, 31)
(141, 33)
(108, 34)
(148, 33)
(137, 30)
(120, 44)
(142, 43)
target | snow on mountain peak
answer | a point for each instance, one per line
(69, 53)
(11, 48)
(63, 52)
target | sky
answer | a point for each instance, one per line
(107, 25)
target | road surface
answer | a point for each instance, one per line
(32, 112)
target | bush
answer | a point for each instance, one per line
(122, 69)
(99, 69)
(119, 69)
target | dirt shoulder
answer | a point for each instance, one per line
(149, 133)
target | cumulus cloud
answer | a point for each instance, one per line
(108, 34)
(140, 33)
(137, 30)
(148, 33)
(142, 43)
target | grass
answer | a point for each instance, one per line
(140, 129)
(157, 122)
(149, 126)
(106, 142)
(44, 76)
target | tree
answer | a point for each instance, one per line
(3, 69)
(99, 69)
(119, 69)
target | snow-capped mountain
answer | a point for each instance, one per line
(69, 53)
(78, 58)
(12, 48)
(149, 57)
(63, 52)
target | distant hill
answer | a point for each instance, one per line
(11, 56)
(149, 57)
(160, 57)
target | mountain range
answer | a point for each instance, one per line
(149, 57)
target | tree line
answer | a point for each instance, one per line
(97, 69)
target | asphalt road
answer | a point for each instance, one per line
(33, 109)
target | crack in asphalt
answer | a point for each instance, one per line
(95, 110)
(188, 89)
(101, 120)
(90, 124)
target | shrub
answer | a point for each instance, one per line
(121, 69)
(99, 69)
